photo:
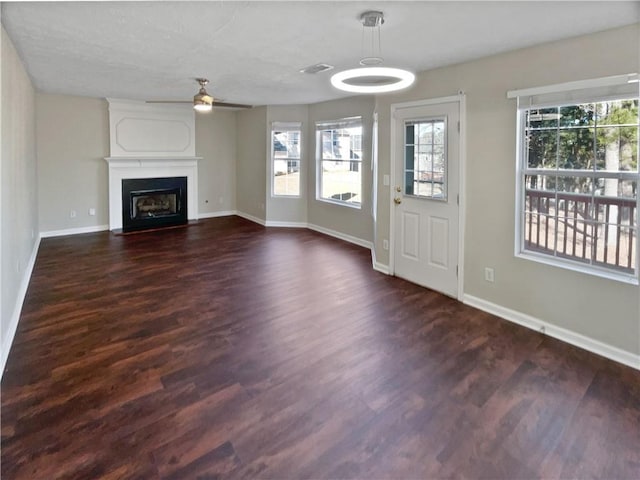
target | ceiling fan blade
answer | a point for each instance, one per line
(230, 105)
(168, 101)
(215, 103)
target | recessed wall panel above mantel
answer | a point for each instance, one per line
(138, 129)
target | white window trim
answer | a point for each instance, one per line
(331, 124)
(592, 83)
(284, 126)
(599, 89)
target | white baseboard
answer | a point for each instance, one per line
(310, 226)
(316, 228)
(224, 213)
(377, 266)
(340, 235)
(74, 231)
(599, 348)
(275, 223)
(251, 218)
(382, 268)
(17, 310)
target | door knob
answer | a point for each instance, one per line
(397, 200)
(398, 189)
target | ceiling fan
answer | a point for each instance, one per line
(202, 101)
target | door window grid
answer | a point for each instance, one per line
(425, 159)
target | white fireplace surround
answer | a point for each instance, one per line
(121, 168)
(150, 141)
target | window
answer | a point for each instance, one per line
(578, 180)
(425, 161)
(285, 159)
(339, 147)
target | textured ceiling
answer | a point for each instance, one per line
(252, 51)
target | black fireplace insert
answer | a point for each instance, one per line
(153, 203)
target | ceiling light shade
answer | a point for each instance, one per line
(373, 80)
(202, 101)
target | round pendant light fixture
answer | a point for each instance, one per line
(372, 78)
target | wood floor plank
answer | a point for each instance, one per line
(232, 351)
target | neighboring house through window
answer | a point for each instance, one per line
(285, 159)
(339, 156)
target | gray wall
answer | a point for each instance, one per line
(252, 152)
(602, 309)
(73, 139)
(354, 222)
(18, 200)
(216, 144)
(289, 209)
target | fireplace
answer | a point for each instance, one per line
(153, 203)
(151, 141)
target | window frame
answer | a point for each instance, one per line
(278, 126)
(348, 122)
(546, 97)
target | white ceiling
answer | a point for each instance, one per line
(252, 51)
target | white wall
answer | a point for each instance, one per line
(603, 310)
(18, 203)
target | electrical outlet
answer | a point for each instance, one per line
(488, 274)
(385, 244)
(72, 214)
(92, 211)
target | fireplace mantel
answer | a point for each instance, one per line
(150, 167)
(132, 162)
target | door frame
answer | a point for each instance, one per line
(460, 99)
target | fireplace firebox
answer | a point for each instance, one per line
(149, 203)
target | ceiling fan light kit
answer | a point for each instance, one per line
(202, 101)
(372, 78)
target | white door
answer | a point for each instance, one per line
(426, 195)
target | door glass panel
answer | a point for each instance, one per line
(425, 162)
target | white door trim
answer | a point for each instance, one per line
(461, 100)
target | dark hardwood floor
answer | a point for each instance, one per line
(234, 351)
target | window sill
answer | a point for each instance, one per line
(577, 267)
(356, 206)
(286, 196)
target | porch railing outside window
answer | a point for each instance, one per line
(578, 174)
